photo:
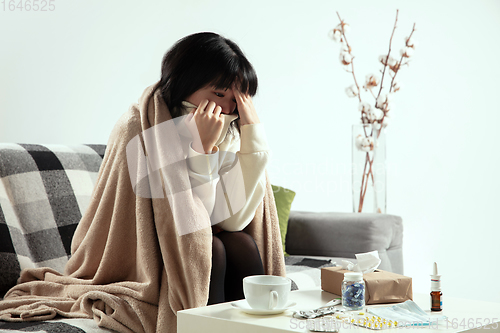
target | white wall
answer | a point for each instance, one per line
(67, 75)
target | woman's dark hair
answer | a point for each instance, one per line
(203, 59)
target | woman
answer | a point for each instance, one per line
(213, 76)
(174, 166)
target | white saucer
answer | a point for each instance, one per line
(245, 307)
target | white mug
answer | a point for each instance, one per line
(266, 292)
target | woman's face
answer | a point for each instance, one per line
(223, 98)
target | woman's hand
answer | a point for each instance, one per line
(205, 124)
(246, 109)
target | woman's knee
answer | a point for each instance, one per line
(218, 251)
(238, 242)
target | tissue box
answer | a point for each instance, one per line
(381, 286)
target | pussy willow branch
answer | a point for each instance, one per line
(364, 180)
(401, 60)
(368, 161)
(352, 59)
(362, 192)
(396, 73)
(388, 55)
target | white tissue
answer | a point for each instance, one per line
(367, 262)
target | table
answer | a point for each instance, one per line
(463, 315)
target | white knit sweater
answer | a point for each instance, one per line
(231, 181)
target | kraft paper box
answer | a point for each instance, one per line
(381, 286)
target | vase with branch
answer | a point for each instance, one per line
(369, 136)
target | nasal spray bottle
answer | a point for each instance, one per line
(436, 294)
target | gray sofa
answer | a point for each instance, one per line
(342, 235)
(44, 189)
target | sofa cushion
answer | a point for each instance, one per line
(283, 198)
(43, 191)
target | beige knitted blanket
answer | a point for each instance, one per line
(131, 269)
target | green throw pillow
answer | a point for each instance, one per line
(283, 198)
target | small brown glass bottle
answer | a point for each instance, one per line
(436, 294)
(436, 302)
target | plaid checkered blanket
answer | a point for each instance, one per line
(43, 192)
(66, 325)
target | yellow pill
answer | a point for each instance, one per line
(395, 323)
(361, 313)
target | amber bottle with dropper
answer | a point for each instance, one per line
(436, 294)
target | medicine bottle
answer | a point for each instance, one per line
(353, 291)
(436, 294)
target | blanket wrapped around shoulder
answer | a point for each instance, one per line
(131, 269)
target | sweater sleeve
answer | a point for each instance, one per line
(203, 174)
(241, 184)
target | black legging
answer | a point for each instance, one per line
(234, 256)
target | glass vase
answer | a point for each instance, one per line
(368, 168)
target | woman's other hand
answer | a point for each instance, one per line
(205, 124)
(246, 109)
